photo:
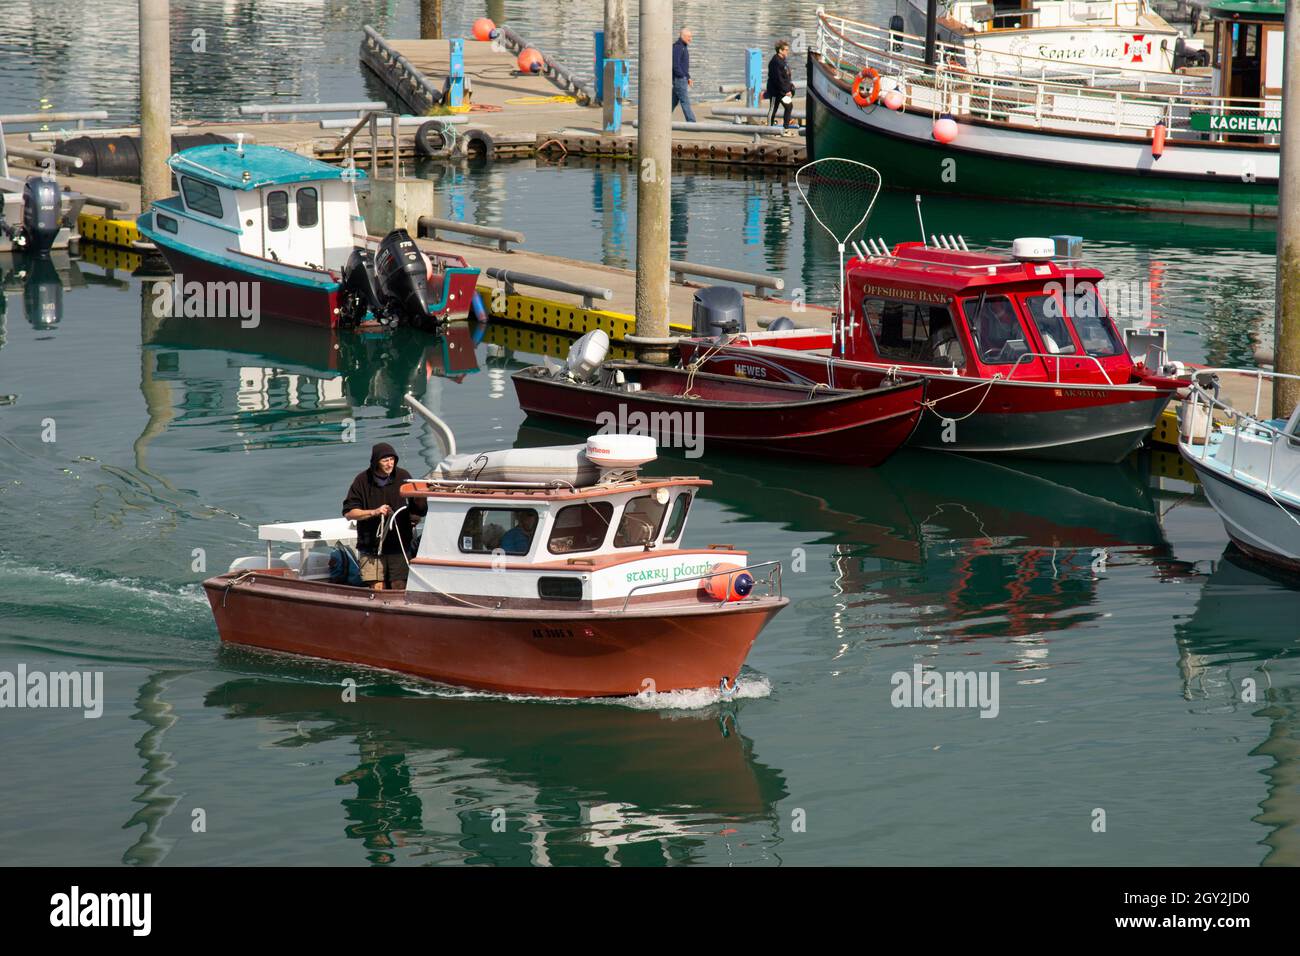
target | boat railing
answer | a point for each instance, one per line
(1020, 91)
(1058, 15)
(1058, 356)
(770, 580)
(1204, 392)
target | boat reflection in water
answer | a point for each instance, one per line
(579, 783)
(1226, 667)
(932, 547)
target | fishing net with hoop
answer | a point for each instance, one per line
(840, 194)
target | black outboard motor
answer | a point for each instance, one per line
(42, 210)
(43, 293)
(716, 311)
(400, 269)
(360, 289)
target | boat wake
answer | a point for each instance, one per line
(698, 698)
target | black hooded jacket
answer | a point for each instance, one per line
(366, 493)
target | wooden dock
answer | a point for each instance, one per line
(525, 112)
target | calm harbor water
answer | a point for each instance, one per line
(1120, 626)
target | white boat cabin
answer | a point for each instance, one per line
(245, 203)
(524, 527)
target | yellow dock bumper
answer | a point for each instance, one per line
(111, 232)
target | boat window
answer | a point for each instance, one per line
(640, 523)
(167, 223)
(566, 588)
(995, 327)
(1048, 315)
(913, 332)
(308, 206)
(202, 197)
(677, 519)
(277, 210)
(487, 529)
(580, 527)
(1094, 326)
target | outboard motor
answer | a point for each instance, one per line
(400, 269)
(716, 311)
(43, 293)
(781, 324)
(42, 209)
(360, 289)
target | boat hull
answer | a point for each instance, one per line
(1256, 523)
(544, 652)
(1066, 422)
(1036, 165)
(287, 301)
(857, 428)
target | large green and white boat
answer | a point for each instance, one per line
(953, 120)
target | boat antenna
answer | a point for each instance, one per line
(920, 220)
(840, 194)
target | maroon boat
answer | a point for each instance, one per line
(682, 407)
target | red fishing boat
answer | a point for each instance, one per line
(550, 571)
(686, 408)
(1018, 351)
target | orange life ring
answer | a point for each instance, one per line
(875, 87)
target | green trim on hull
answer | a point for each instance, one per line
(906, 163)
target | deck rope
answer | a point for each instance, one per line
(931, 403)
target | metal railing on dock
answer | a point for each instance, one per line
(742, 113)
(292, 109)
(742, 128)
(410, 84)
(589, 293)
(79, 117)
(762, 284)
(569, 81)
(430, 226)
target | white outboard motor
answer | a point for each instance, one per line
(587, 354)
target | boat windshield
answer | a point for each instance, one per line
(640, 523)
(916, 333)
(1046, 312)
(996, 329)
(1083, 310)
(1096, 330)
(580, 527)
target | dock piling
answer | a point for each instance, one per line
(1286, 320)
(654, 178)
(155, 100)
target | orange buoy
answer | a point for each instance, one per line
(1158, 141)
(728, 587)
(484, 28)
(530, 60)
(945, 129)
(866, 99)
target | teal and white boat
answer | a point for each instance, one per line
(1054, 131)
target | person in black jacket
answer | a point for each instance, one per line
(779, 84)
(372, 501)
(682, 81)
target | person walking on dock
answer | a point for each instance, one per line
(682, 74)
(780, 86)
